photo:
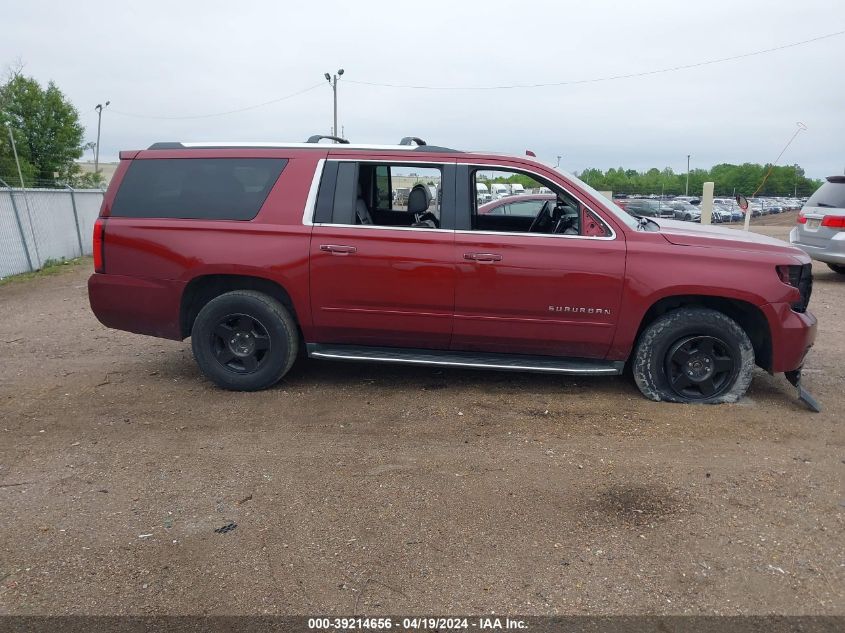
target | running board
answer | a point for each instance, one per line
(469, 360)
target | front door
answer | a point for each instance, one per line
(536, 274)
(381, 263)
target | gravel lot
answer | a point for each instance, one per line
(386, 490)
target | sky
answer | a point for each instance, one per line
(189, 59)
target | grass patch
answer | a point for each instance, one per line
(51, 267)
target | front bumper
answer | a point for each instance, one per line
(793, 334)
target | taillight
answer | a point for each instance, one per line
(99, 245)
(834, 221)
(801, 218)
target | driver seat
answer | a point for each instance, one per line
(418, 202)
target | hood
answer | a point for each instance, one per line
(687, 234)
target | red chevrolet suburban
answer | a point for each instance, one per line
(260, 251)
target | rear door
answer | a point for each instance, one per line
(554, 290)
(381, 274)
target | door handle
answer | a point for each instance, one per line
(483, 257)
(337, 249)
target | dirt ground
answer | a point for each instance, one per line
(387, 490)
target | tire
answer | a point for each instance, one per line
(244, 340)
(687, 218)
(714, 351)
(837, 268)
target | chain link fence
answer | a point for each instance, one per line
(38, 225)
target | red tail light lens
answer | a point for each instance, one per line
(834, 221)
(801, 219)
(99, 245)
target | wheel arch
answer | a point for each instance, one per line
(202, 289)
(749, 317)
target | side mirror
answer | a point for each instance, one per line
(742, 201)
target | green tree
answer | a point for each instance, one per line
(48, 134)
(728, 179)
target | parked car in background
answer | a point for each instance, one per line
(499, 190)
(691, 199)
(685, 211)
(646, 208)
(820, 231)
(517, 189)
(526, 205)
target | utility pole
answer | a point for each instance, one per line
(15, 152)
(99, 108)
(333, 83)
(795, 192)
(25, 201)
(557, 164)
(687, 189)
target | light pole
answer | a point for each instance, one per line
(687, 189)
(99, 108)
(557, 164)
(795, 169)
(333, 83)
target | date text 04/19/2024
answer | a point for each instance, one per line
(416, 623)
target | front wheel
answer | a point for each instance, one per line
(837, 268)
(695, 355)
(244, 340)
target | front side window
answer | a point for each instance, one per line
(540, 207)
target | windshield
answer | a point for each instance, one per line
(607, 205)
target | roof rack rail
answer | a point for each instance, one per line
(316, 138)
(407, 140)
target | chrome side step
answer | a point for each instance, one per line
(469, 360)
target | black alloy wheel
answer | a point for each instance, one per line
(240, 343)
(700, 367)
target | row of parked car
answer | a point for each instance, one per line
(686, 208)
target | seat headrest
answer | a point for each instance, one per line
(419, 199)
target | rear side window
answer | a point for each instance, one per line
(831, 194)
(196, 188)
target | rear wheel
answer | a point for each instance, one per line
(244, 340)
(694, 355)
(837, 268)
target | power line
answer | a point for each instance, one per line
(609, 78)
(206, 116)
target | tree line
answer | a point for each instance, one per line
(47, 133)
(727, 179)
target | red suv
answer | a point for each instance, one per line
(261, 251)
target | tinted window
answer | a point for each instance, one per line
(830, 194)
(197, 188)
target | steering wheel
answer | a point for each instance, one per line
(545, 215)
